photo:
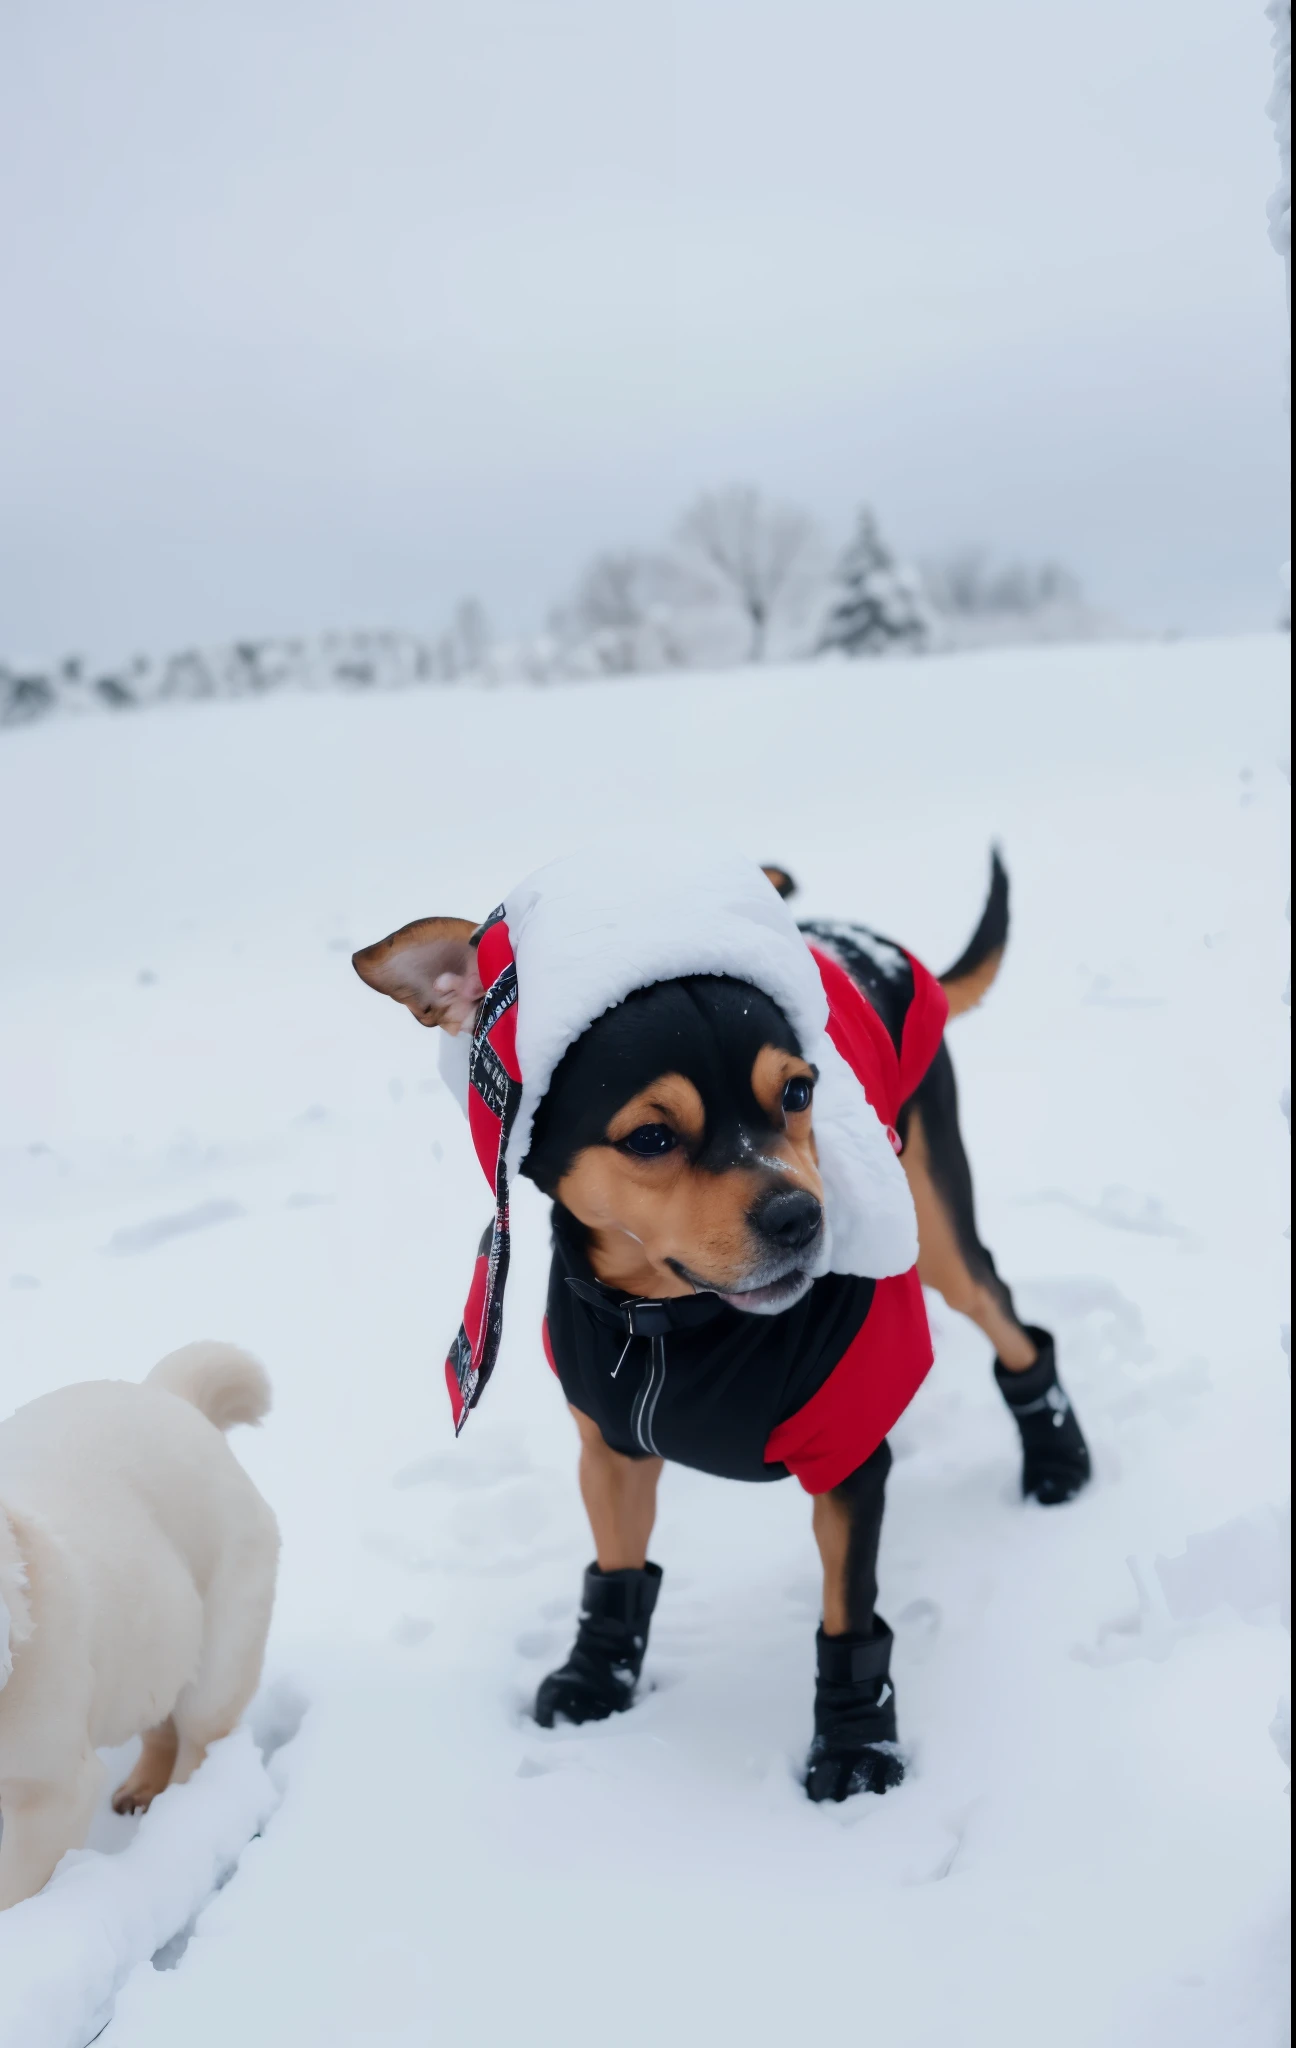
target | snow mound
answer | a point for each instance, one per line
(66, 1953)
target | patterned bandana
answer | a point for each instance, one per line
(494, 1092)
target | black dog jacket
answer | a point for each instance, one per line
(811, 1391)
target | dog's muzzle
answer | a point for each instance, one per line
(789, 1219)
(791, 1234)
(789, 1224)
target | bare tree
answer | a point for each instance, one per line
(751, 553)
(977, 602)
(619, 619)
(463, 647)
(472, 631)
(613, 592)
(966, 583)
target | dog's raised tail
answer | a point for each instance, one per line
(977, 965)
(225, 1384)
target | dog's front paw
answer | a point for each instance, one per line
(838, 1774)
(600, 1676)
(132, 1798)
(566, 1696)
(1054, 1486)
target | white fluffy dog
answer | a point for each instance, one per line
(137, 1573)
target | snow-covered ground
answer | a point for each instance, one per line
(209, 1127)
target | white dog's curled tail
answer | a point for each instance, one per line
(225, 1384)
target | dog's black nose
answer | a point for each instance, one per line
(789, 1218)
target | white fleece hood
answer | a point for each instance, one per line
(589, 929)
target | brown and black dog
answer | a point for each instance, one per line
(676, 1141)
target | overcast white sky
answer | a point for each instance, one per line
(326, 312)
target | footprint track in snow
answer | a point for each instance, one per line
(144, 1237)
(492, 1464)
(411, 1630)
(538, 1642)
(917, 1626)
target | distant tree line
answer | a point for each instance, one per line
(745, 579)
(741, 579)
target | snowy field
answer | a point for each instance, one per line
(209, 1127)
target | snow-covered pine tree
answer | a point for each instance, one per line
(877, 605)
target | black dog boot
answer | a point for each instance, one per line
(854, 1747)
(1055, 1456)
(599, 1677)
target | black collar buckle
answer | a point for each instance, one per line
(647, 1318)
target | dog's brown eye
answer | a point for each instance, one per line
(650, 1141)
(797, 1093)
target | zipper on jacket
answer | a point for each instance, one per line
(645, 1405)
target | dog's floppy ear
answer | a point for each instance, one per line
(781, 880)
(431, 967)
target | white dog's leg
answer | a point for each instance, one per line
(41, 1823)
(235, 1626)
(152, 1772)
